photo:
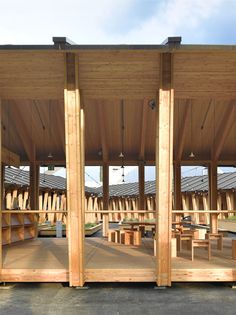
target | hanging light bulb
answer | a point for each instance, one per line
(191, 155)
(50, 156)
(121, 155)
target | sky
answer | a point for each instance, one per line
(118, 22)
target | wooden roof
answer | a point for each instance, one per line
(204, 82)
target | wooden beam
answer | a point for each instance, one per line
(223, 130)
(183, 130)
(143, 130)
(73, 167)
(164, 164)
(101, 121)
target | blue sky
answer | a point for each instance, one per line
(118, 21)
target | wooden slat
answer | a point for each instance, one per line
(164, 161)
(73, 167)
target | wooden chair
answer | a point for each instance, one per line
(183, 237)
(215, 236)
(203, 244)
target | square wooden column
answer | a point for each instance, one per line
(34, 186)
(213, 194)
(164, 165)
(141, 185)
(177, 190)
(1, 188)
(74, 156)
(105, 183)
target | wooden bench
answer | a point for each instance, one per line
(201, 244)
(215, 236)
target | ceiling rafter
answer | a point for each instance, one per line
(101, 121)
(143, 130)
(24, 134)
(183, 130)
(223, 130)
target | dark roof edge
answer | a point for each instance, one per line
(162, 48)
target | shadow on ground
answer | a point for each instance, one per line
(118, 298)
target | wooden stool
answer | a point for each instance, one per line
(117, 236)
(201, 243)
(234, 249)
(129, 237)
(218, 237)
(122, 237)
(111, 236)
(137, 238)
(183, 237)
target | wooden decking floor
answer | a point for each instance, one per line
(104, 260)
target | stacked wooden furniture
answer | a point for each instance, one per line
(126, 237)
(18, 226)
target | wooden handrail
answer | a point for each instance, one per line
(121, 211)
(204, 211)
(32, 211)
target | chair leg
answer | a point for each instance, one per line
(209, 251)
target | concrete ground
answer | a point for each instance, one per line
(118, 298)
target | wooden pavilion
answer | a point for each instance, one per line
(166, 105)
